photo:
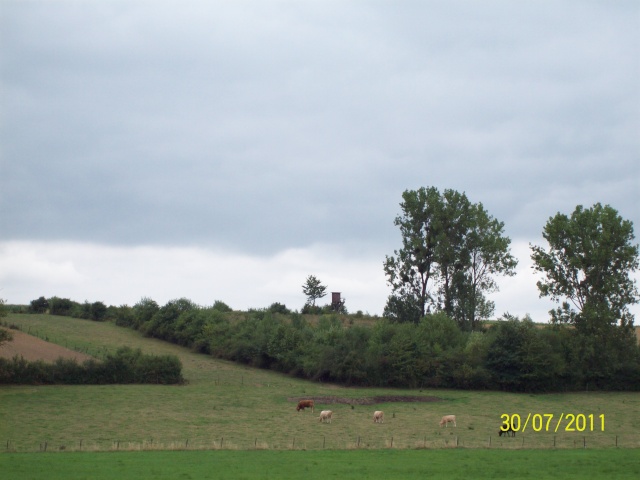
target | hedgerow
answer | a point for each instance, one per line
(125, 366)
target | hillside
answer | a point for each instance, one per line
(229, 406)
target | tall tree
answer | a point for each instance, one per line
(313, 289)
(413, 266)
(588, 265)
(450, 243)
(487, 255)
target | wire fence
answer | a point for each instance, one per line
(544, 442)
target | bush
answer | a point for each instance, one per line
(221, 306)
(279, 308)
(40, 305)
(125, 366)
(61, 306)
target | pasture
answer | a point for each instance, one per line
(356, 464)
(228, 408)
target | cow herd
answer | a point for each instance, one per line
(378, 415)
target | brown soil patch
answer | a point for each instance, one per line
(367, 400)
(33, 348)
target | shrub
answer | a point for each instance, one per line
(125, 366)
(40, 305)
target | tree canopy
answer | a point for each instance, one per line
(313, 289)
(588, 265)
(451, 251)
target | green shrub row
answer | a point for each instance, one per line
(125, 366)
(512, 355)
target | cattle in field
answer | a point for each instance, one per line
(325, 416)
(378, 416)
(302, 404)
(509, 432)
(448, 419)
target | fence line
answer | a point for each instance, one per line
(356, 442)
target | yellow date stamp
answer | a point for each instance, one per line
(548, 422)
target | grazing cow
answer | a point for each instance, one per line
(378, 416)
(509, 432)
(325, 416)
(302, 404)
(447, 419)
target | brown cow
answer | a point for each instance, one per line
(448, 419)
(302, 404)
(378, 416)
(325, 416)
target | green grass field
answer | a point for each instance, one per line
(233, 415)
(357, 464)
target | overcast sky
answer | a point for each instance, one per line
(226, 150)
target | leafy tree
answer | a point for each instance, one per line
(143, 311)
(220, 306)
(278, 307)
(413, 266)
(313, 289)
(473, 251)
(589, 262)
(39, 305)
(98, 311)
(61, 306)
(451, 244)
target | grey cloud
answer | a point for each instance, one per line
(261, 126)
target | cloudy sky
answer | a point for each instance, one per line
(225, 150)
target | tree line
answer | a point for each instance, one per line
(432, 334)
(452, 250)
(513, 354)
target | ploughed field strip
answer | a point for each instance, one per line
(33, 348)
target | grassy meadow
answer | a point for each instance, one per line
(322, 464)
(227, 407)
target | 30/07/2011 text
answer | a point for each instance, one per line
(543, 422)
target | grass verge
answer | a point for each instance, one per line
(408, 464)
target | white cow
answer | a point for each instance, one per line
(378, 416)
(447, 419)
(325, 416)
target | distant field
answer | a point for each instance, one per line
(225, 406)
(33, 348)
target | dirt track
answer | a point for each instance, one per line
(32, 348)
